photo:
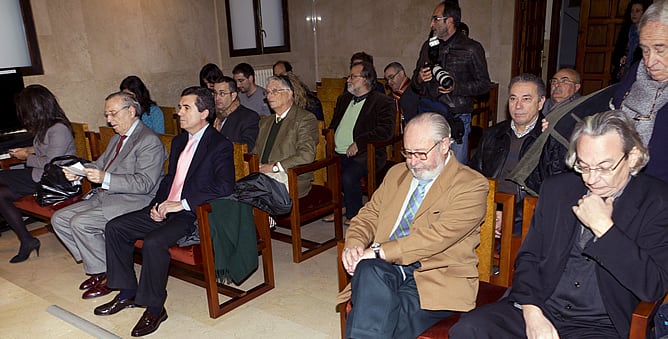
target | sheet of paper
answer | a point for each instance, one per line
(76, 168)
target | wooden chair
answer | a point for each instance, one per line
(487, 292)
(106, 133)
(241, 167)
(172, 125)
(323, 199)
(375, 175)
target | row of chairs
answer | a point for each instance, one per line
(493, 285)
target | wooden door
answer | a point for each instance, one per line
(529, 29)
(600, 21)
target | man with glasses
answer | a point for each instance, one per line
(411, 249)
(464, 60)
(504, 144)
(288, 137)
(252, 95)
(597, 246)
(361, 116)
(234, 121)
(564, 87)
(127, 173)
(405, 98)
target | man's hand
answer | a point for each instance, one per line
(267, 168)
(544, 124)
(352, 150)
(94, 175)
(537, 325)
(70, 176)
(595, 213)
(424, 75)
(159, 211)
(443, 90)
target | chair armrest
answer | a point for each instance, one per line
(316, 165)
(643, 317)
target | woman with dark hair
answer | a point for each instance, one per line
(151, 114)
(39, 112)
(208, 74)
(627, 51)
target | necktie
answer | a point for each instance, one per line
(118, 150)
(413, 205)
(182, 166)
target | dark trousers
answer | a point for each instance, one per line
(120, 236)
(386, 303)
(503, 320)
(351, 173)
(15, 184)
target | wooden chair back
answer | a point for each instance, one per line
(241, 167)
(320, 176)
(81, 142)
(167, 142)
(172, 125)
(106, 133)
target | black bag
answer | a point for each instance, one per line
(54, 187)
(263, 192)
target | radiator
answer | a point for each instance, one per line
(261, 76)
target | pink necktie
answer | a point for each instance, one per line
(182, 166)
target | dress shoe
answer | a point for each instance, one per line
(94, 280)
(25, 250)
(98, 290)
(114, 306)
(149, 323)
(330, 218)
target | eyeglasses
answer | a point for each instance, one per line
(113, 113)
(418, 155)
(604, 171)
(220, 93)
(392, 76)
(275, 91)
(562, 81)
(351, 76)
(435, 19)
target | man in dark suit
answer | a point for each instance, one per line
(361, 116)
(597, 246)
(201, 168)
(235, 121)
(128, 173)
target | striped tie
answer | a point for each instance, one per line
(413, 205)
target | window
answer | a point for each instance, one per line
(257, 27)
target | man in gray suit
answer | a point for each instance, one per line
(128, 173)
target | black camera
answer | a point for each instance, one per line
(443, 77)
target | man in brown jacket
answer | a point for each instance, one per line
(419, 231)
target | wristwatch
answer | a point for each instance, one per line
(376, 249)
(275, 168)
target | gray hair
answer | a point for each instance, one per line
(395, 65)
(436, 122)
(603, 123)
(657, 12)
(528, 77)
(128, 100)
(368, 73)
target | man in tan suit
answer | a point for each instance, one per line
(288, 137)
(419, 231)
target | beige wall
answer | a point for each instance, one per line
(89, 46)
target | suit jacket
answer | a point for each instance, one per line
(632, 256)
(211, 172)
(241, 126)
(375, 123)
(443, 236)
(295, 143)
(135, 173)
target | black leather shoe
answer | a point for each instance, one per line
(149, 323)
(94, 280)
(114, 306)
(98, 290)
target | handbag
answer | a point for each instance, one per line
(54, 187)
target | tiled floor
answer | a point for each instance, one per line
(301, 306)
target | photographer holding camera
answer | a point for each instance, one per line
(451, 70)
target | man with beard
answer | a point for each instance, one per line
(234, 121)
(361, 116)
(252, 95)
(411, 249)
